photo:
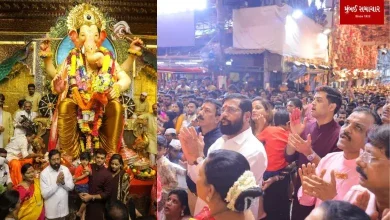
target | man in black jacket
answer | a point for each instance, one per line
(208, 121)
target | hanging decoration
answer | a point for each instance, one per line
(7, 66)
(348, 48)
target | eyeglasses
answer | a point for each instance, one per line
(368, 158)
(230, 110)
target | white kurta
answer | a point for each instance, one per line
(18, 148)
(247, 145)
(18, 119)
(56, 195)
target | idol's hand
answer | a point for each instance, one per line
(45, 49)
(59, 84)
(45, 46)
(114, 92)
(135, 45)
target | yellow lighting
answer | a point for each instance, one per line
(12, 42)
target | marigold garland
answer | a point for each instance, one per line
(82, 86)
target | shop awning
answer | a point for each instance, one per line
(182, 69)
(237, 51)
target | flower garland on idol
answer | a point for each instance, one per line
(90, 93)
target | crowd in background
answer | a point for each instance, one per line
(318, 149)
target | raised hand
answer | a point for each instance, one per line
(194, 123)
(60, 178)
(135, 45)
(306, 170)
(45, 49)
(114, 92)
(300, 145)
(260, 121)
(192, 144)
(296, 125)
(317, 187)
(361, 199)
(385, 214)
(59, 84)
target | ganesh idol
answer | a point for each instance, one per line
(88, 84)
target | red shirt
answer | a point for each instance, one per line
(79, 172)
(275, 142)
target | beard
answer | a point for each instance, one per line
(55, 166)
(232, 127)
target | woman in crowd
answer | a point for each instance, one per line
(169, 121)
(9, 205)
(30, 195)
(227, 185)
(121, 184)
(276, 181)
(294, 103)
(176, 207)
(178, 108)
(335, 209)
(120, 181)
(262, 115)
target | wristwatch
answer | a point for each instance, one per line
(311, 157)
(198, 160)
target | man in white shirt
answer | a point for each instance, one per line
(170, 134)
(19, 122)
(237, 136)
(56, 182)
(5, 178)
(183, 86)
(19, 152)
(192, 107)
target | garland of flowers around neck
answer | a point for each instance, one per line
(91, 107)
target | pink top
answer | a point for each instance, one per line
(346, 177)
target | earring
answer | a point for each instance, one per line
(182, 212)
(207, 199)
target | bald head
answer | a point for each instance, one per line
(116, 210)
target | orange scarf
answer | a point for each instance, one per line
(179, 122)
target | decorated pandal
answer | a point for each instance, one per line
(88, 105)
(88, 86)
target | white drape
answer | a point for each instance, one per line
(274, 29)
